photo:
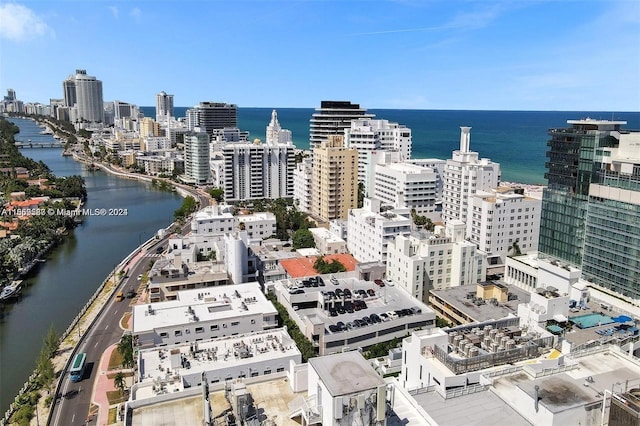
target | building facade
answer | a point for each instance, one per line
(366, 135)
(504, 222)
(255, 171)
(332, 118)
(211, 116)
(196, 158)
(591, 205)
(164, 106)
(370, 230)
(335, 180)
(303, 184)
(85, 93)
(465, 174)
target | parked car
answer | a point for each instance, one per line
(341, 326)
(375, 318)
(333, 328)
(370, 292)
(378, 283)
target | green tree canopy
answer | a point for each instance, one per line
(303, 238)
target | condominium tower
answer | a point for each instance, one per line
(591, 207)
(196, 158)
(368, 135)
(331, 119)
(85, 92)
(211, 116)
(164, 106)
(335, 180)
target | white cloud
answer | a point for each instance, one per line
(136, 14)
(19, 23)
(114, 11)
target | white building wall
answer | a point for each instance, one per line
(302, 178)
(465, 174)
(213, 220)
(370, 231)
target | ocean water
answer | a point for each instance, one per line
(515, 139)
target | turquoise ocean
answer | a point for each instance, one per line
(515, 139)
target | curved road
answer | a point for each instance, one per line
(72, 406)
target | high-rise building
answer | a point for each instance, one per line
(331, 119)
(504, 221)
(254, 171)
(89, 98)
(591, 207)
(275, 133)
(335, 180)
(367, 135)
(210, 116)
(69, 91)
(303, 184)
(164, 106)
(403, 185)
(465, 174)
(11, 95)
(196, 158)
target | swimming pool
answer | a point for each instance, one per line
(591, 320)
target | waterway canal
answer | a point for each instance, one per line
(72, 272)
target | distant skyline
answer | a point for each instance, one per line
(406, 54)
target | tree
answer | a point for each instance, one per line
(217, 194)
(51, 341)
(46, 372)
(119, 382)
(303, 238)
(125, 348)
(189, 205)
(324, 267)
(360, 194)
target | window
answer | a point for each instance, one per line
(234, 323)
(177, 333)
(199, 330)
(214, 327)
(164, 335)
(279, 369)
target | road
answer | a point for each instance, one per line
(73, 406)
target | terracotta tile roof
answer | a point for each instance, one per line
(303, 266)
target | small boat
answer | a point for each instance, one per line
(12, 290)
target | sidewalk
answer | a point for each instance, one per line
(102, 385)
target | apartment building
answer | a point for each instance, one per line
(332, 118)
(370, 230)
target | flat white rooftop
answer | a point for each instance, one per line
(162, 364)
(346, 373)
(211, 303)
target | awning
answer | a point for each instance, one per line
(560, 318)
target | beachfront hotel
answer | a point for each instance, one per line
(332, 118)
(464, 174)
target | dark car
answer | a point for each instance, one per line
(361, 304)
(339, 292)
(370, 292)
(333, 312)
(348, 307)
(347, 292)
(360, 323)
(159, 249)
(378, 283)
(296, 291)
(341, 309)
(375, 318)
(320, 281)
(334, 328)
(400, 313)
(367, 320)
(341, 326)
(130, 294)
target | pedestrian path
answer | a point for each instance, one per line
(103, 385)
(155, 255)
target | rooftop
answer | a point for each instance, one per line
(303, 267)
(346, 373)
(202, 305)
(213, 355)
(458, 297)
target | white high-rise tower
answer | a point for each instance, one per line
(164, 106)
(275, 133)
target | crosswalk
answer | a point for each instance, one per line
(153, 255)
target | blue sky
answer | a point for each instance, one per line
(423, 54)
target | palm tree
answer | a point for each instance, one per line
(119, 382)
(125, 348)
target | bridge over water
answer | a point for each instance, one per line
(55, 144)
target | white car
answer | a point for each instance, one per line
(140, 277)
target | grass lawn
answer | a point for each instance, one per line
(115, 397)
(116, 360)
(113, 413)
(112, 376)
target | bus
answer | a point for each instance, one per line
(76, 372)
